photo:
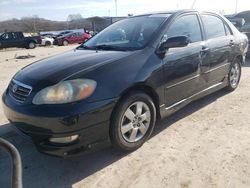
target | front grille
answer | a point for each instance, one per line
(19, 91)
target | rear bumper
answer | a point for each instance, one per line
(92, 127)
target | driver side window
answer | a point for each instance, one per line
(186, 25)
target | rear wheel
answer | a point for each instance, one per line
(31, 45)
(47, 43)
(234, 75)
(133, 121)
(65, 43)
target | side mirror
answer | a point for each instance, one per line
(175, 42)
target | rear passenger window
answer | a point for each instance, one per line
(186, 25)
(214, 26)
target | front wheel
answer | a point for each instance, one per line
(133, 121)
(234, 75)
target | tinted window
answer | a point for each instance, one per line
(16, 35)
(186, 25)
(214, 26)
(146, 30)
(5, 36)
(132, 33)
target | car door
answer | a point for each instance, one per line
(220, 43)
(18, 40)
(73, 38)
(184, 67)
(80, 38)
(5, 41)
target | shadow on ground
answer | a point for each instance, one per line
(41, 171)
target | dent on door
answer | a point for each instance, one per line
(182, 70)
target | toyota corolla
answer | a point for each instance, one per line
(112, 89)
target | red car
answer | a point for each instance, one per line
(72, 38)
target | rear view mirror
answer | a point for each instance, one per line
(175, 42)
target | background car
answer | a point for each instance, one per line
(72, 38)
(62, 33)
(17, 39)
(47, 41)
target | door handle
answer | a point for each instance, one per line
(205, 49)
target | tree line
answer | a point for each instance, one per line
(35, 24)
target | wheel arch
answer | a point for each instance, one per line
(147, 90)
(34, 41)
(240, 57)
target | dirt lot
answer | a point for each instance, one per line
(206, 144)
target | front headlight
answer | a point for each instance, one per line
(65, 92)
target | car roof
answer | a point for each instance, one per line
(167, 12)
(173, 12)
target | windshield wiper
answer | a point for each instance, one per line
(85, 47)
(108, 47)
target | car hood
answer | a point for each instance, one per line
(60, 67)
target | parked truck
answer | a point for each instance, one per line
(17, 39)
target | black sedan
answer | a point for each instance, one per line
(112, 89)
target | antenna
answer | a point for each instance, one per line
(236, 6)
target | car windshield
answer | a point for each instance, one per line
(128, 34)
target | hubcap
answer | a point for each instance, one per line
(135, 122)
(235, 75)
(65, 43)
(32, 45)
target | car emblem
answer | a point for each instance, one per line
(14, 89)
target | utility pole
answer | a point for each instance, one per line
(116, 8)
(193, 4)
(236, 6)
(177, 4)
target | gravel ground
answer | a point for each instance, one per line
(206, 144)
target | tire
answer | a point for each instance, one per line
(31, 45)
(47, 43)
(139, 127)
(234, 75)
(65, 43)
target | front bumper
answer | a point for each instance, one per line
(90, 123)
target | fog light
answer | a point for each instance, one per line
(64, 140)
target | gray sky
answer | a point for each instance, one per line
(60, 9)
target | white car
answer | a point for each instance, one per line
(46, 41)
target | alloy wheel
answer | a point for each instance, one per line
(135, 122)
(235, 75)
